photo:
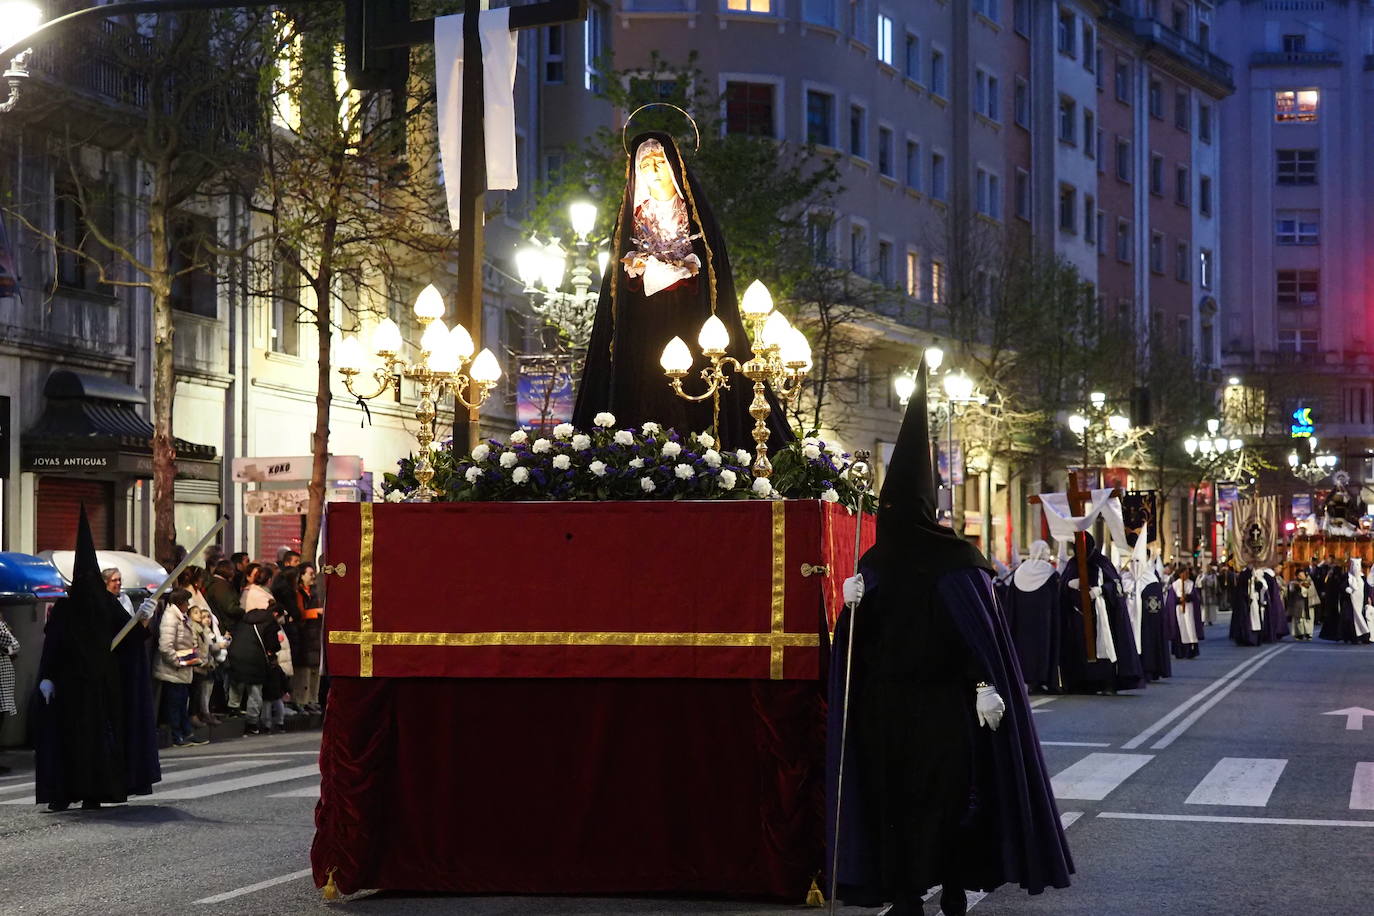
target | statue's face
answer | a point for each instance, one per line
(658, 177)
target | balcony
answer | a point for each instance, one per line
(73, 321)
(200, 346)
(1188, 56)
(1296, 59)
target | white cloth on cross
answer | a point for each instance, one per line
(1064, 524)
(498, 100)
(1106, 646)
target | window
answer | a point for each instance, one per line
(1182, 185)
(1021, 16)
(1097, 148)
(1022, 191)
(1020, 102)
(858, 249)
(819, 12)
(1357, 402)
(1122, 81)
(76, 251)
(857, 19)
(594, 46)
(1157, 174)
(937, 72)
(985, 89)
(938, 185)
(885, 263)
(818, 229)
(820, 118)
(1101, 232)
(1089, 219)
(858, 131)
(1123, 159)
(749, 6)
(1068, 208)
(1089, 134)
(553, 54)
(885, 152)
(1089, 57)
(1097, 70)
(195, 288)
(1157, 252)
(749, 109)
(987, 191)
(994, 106)
(1204, 123)
(1296, 105)
(1179, 20)
(1182, 109)
(913, 58)
(1068, 118)
(1294, 44)
(1204, 35)
(1297, 227)
(1123, 240)
(1204, 195)
(987, 9)
(1298, 340)
(1068, 38)
(1185, 336)
(913, 165)
(885, 39)
(913, 274)
(937, 283)
(1296, 166)
(1156, 99)
(1183, 256)
(1297, 288)
(285, 332)
(1204, 268)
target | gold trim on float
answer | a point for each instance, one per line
(779, 591)
(366, 537)
(775, 641)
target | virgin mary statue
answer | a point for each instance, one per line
(669, 273)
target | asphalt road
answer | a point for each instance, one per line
(1224, 790)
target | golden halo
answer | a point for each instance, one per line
(624, 139)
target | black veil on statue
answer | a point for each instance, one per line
(622, 373)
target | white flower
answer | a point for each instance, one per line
(647, 485)
(810, 452)
(481, 452)
(811, 440)
(519, 437)
(831, 496)
(649, 428)
(562, 462)
(761, 486)
(684, 472)
(624, 437)
(671, 450)
(743, 457)
(705, 441)
(396, 496)
(472, 474)
(636, 463)
(563, 431)
(598, 468)
(540, 446)
(509, 459)
(520, 475)
(831, 448)
(727, 480)
(604, 420)
(581, 442)
(711, 457)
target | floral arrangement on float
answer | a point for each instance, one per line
(610, 463)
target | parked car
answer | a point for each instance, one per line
(142, 575)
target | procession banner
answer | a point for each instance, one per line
(1253, 532)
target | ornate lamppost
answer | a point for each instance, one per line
(781, 360)
(1313, 469)
(946, 402)
(543, 269)
(1100, 430)
(446, 366)
(18, 20)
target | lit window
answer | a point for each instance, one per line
(749, 6)
(913, 275)
(1297, 227)
(884, 37)
(1292, 105)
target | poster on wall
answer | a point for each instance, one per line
(1227, 494)
(1302, 506)
(944, 449)
(544, 394)
(1140, 510)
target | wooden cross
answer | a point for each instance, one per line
(472, 171)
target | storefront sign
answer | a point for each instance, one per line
(261, 470)
(1303, 427)
(294, 501)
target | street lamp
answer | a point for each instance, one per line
(18, 20)
(543, 268)
(1099, 430)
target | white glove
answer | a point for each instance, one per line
(853, 590)
(990, 707)
(46, 688)
(145, 610)
(223, 654)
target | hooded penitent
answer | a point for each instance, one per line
(930, 797)
(79, 734)
(1033, 614)
(668, 273)
(1125, 671)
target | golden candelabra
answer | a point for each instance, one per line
(446, 366)
(781, 361)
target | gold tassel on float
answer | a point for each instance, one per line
(330, 891)
(814, 897)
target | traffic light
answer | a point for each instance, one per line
(366, 24)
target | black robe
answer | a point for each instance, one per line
(1077, 672)
(143, 767)
(1035, 630)
(1330, 585)
(1184, 649)
(1345, 626)
(622, 374)
(914, 737)
(1155, 633)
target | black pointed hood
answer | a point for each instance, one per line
(89, 611)
(86, 578)
(910, 537)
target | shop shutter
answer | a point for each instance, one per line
(59, 501)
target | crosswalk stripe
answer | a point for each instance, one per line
(1067, 819)
(307, 792)
(1041, 701)
(1095, 776)
(218, 769)
(1239, 782)
(1231, 819)
(233, 785)
(1362, 788)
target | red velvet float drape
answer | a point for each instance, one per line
(573, 786)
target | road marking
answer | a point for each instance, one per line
(1238, 781)
(1095, 776)
(1354, 717)
(1362, 788)
(307, 792)
(1224, 819)
(261, 885)
(1198, 697)
(1067, 819)
(217, 769)
(234, 785)
(1074, 743)
(1178, 730)
(183, 758)
(1041, 701)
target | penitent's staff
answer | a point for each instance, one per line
(861, 475)
(172, 576)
